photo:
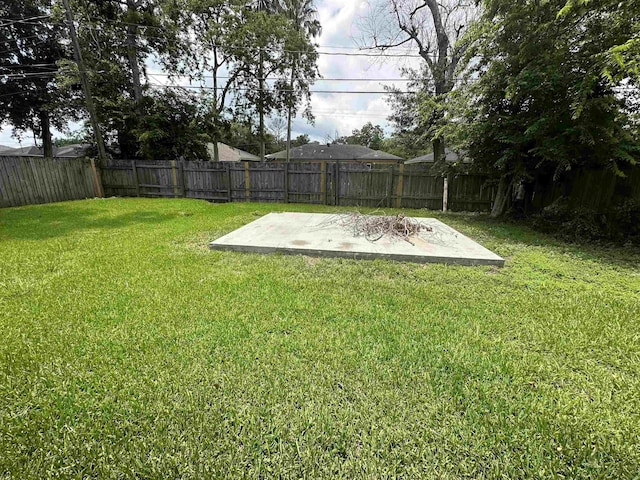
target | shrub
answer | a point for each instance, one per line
(620, 223)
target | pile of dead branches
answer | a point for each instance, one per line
(374, 227)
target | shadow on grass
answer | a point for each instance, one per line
(57, 220)
(520, 232)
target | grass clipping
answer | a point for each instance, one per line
(374, 227)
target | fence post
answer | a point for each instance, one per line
(323, 181)
(136, 183)
(445, 193)
(400, 186)
(286, 182)
(336, 181)
(247, 183)
(227, 171)
(97, 181)
(184, 184)
(390, 185)
(174, 177)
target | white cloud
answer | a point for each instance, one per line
(334, 112)
(346, 112)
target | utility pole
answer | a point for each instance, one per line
(85, 85)
(291, 86)
(261, 8)
(261, 104)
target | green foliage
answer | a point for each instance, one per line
(129, 350)
(73, 138)
(244, 134)
(198, 39)
(300, 140)
(617, 47)
(270, 36)
(29, 92)
(369, 135)
(540, 107)
(174, 124)
(417, 117)
(620, 223)
(403, 146)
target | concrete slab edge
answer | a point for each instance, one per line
(359, 255)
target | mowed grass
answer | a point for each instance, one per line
(128, 349)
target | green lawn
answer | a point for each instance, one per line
(128, 349)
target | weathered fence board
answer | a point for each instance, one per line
(470, 193)
(329, 183)
(25, 180)
(28, 180)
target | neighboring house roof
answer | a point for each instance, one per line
(227, 153)
(450, 157)
(334, 151)
(6, 151)
(379, 155)
(75, 150)
(17, 151)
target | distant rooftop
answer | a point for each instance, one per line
(379, 155)
(335, 152)
(75, 150)
(450, 157)
(227, 153)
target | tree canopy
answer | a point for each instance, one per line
(543, 104)
(30, 47)
(213, 44)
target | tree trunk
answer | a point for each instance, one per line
(216, 151)
(438, 149)
(441, 89)
(132, 55)
(216, 108)
(502, 197)
(289, 134)
(261, 105)
(45, 128)
(86, 86)
(293, 77)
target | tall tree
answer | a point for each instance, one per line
(117, 37)
(265, 85)
(174, 124)
(415, 116)
(620, 58)
(303, 16)
(436, 29)
(369, 135)
(30, 46)
(541, 109)
(249, 50)
(203, 50)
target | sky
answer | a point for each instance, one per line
(334, 112)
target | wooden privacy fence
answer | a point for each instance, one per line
(28, 180)
(328, 183)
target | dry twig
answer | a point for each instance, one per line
(374, 227)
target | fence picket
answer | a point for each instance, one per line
(26, 180)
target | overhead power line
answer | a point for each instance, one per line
(26, 65)
(23, 92)
(11, 21)
(347, 54)
(22, 49)
(224, 77)
(52, 72)
(28, 75)
(283, 90)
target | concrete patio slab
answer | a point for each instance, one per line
(318, 234)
